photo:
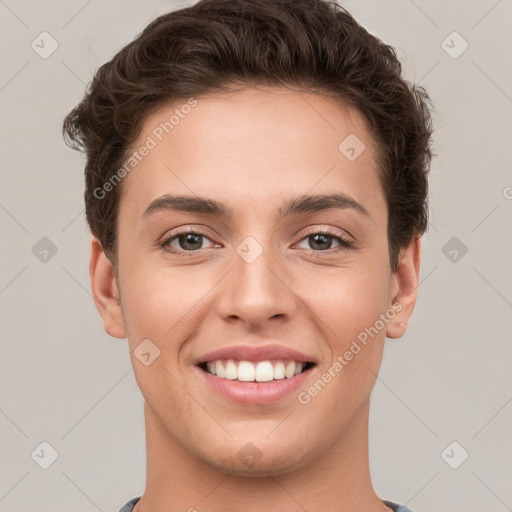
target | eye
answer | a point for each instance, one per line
(193, 240)
(190, 240)
(323, 240)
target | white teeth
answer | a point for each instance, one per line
(248, 371)
(219, 370)
(289, 371)
(264, 371)
(231, 371)
(279, 371)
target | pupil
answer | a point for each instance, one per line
(190, 238)
(324, 238)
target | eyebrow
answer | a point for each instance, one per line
(298, 205)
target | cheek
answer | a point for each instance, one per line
(355, 338)
(159, 305)
(158, 300)
(352, 310)
(350, 301)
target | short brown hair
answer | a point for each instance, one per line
(213, 45)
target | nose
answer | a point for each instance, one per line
(256, 292)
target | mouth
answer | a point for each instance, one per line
(255, 371)
(255, 374)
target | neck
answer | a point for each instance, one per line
(337, 481)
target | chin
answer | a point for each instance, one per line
(250, 461)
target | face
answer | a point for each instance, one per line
(228, 252)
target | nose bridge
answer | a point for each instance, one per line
(255, 288)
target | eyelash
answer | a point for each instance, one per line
(345, 243)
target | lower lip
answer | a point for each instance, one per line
(255, 392)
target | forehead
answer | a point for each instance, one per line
(251, 147)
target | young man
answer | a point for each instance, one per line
(256, 185)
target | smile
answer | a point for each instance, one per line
(255, 371)
(255, 382)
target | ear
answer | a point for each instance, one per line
(105, 291)
(405, 287)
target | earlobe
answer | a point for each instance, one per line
(406, 279)
(105, 291)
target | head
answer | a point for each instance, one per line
(248, 108)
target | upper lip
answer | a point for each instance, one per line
(255, 353)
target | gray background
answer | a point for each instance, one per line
(66, 382)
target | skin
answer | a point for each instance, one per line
(253, 150)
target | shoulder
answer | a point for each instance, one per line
(129, 506)
(395, 506)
